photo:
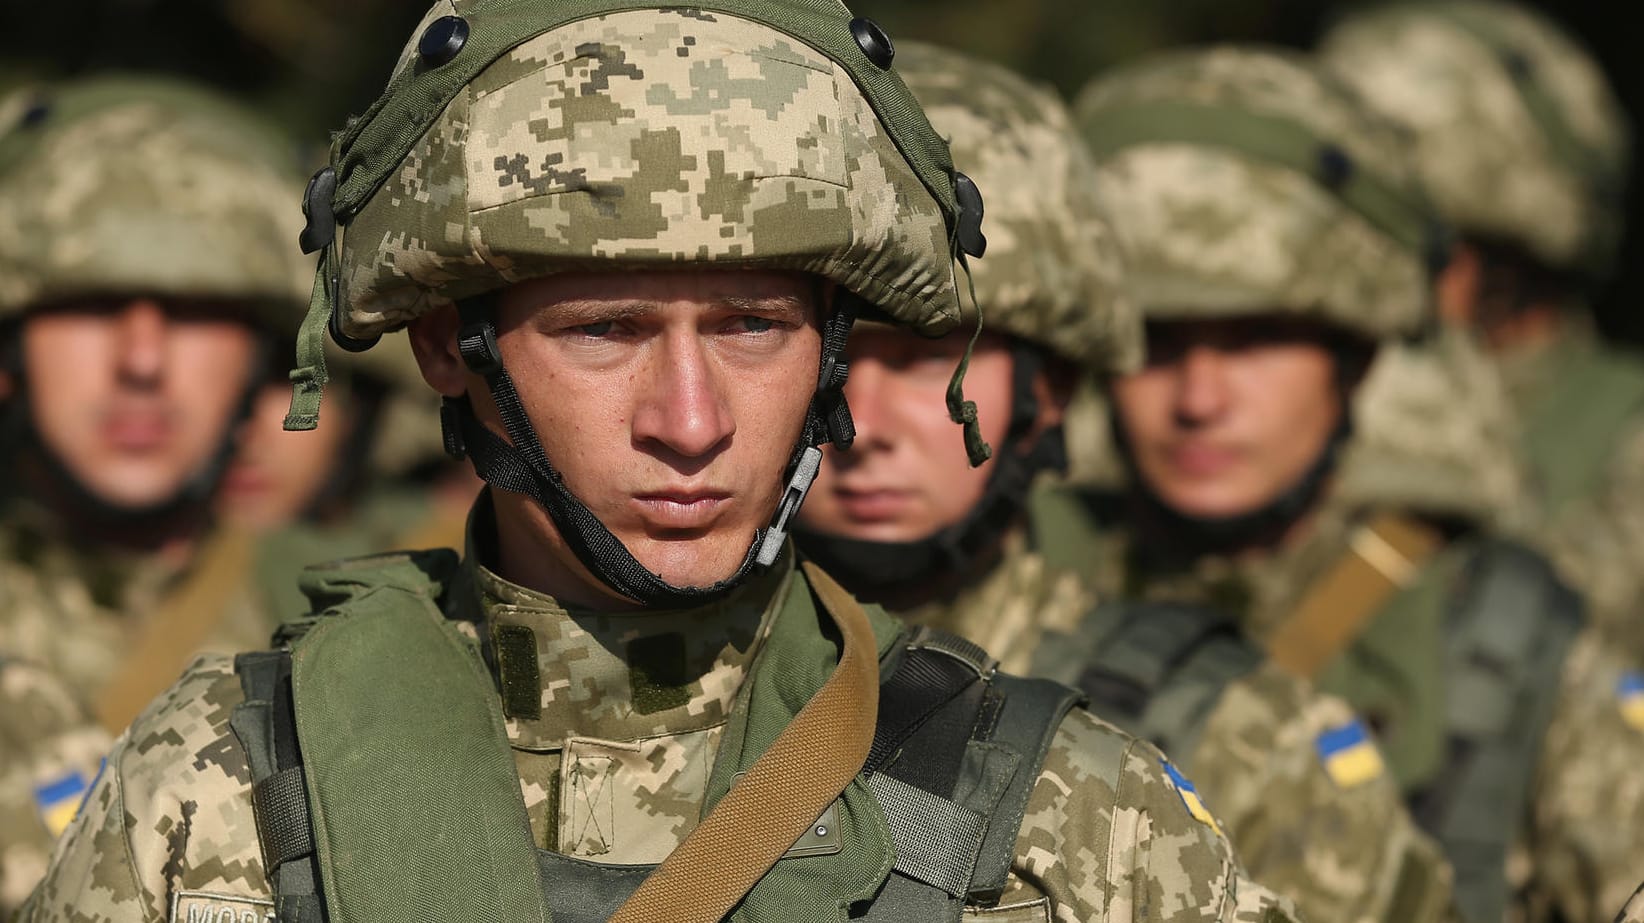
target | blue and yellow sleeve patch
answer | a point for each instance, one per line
(1349, 754)
(59, 800)
(1190, 797)
(1629, 697)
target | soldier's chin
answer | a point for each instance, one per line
(130, 487)
(694, 562)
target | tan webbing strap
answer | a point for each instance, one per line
(805, 769)
(181, 625)
(1385, 555)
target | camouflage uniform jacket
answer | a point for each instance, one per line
(78, 611)
(615, 770)
(49, 755)
(1341, 851)
(1580, 848)
(1596, 536)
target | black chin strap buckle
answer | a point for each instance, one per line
(804, 474)
(451, 411)
(477, 338)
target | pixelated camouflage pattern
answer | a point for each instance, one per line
(1207, 231)
(1435, 432)
(1349, 854)
(650, 139)
(77, 611)
(1581, 847)
(1106, 835)
(44, 736)
(125, 185)
(1597, 537)
(1634, 911)
(1052, 273)
(1482, 154)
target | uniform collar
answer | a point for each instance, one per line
(618, 676)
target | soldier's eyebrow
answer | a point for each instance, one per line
(765, 304)
(579, 312)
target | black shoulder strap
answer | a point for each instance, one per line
(955, 755)
(1157, 670)
(1508, 631)
(265, 724)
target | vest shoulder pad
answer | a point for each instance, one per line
(334, 587)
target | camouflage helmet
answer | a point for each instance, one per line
(1052, 274)
(1517, 134)
(1243, 180)
(522, 139)
(139, 184)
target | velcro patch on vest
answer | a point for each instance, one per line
(1629, 697)
(206, 907)
(1349, 755)
(1190, 797)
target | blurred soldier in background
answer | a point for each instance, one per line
(633, 241)
(1276, 238)
(1525, 151)
(146, 268)
(373, 476)
(49, 753)
(902, 520)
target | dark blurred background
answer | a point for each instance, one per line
(310, 63)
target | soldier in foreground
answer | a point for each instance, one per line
(900, 520)
(1525, 149)
(144, 271)
(1274, 254)
(629, 247)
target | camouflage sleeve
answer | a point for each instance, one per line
(1113, 832)
(167, 832)
(1305, 797)
(1586, 842)
(1634, 911)
(49, 755)
(1598, 543)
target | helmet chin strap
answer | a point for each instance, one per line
(85, 504)
(519, 463)
(877, 571)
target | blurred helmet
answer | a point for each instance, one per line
(120, 185)
(1244, 180)
(1516, 133)
(1052, 274)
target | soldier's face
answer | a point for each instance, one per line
(907, 476)
(135, 397)
(670, 401)
(275, 475)
(1228, 414)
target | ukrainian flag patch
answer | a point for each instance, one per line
(1629, 697)
(1349, 754)
(59, 800)
(1190, 797)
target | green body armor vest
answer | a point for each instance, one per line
(1459, 675)
(365, 817)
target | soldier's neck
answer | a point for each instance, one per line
(570, 671)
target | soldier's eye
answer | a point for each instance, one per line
(603, 328)
(755, 324)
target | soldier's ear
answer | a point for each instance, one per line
(434, 342)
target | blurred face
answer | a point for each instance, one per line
(670, 401)
(907, 476)
(135, 397)
(276, 474)
(1228, 414)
